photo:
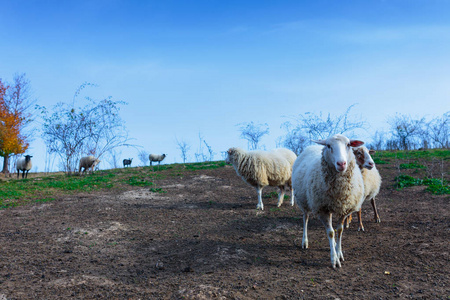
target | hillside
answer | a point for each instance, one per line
(192, 232)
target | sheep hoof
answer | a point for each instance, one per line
(361, 229)
(377, 220)
(279, 204)
(305, 245)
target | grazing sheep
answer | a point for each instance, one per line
(88, 162)
(24, 164)
(372, 182)
(127, 162)
(327, 181)
(156, 157)
(291, 157)
(260, 169)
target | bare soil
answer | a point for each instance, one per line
(204, 239)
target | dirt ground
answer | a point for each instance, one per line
(204, 239)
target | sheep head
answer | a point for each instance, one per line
(363, 158)
(338, 150)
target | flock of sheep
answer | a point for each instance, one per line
(332, 178)
(86, 163)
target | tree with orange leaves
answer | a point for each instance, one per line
(14, 116)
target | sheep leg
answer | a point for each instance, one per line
(260, 202)
(377, 217)
(361, 227)
(340, 231)
(305, 230)
(325, 218)
(292, 195)
(280, 195)
(348, 220)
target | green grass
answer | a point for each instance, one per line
(434, 185)
(47, 188)
(205, 165)
(138, 181)
(413, 154)
(412, 166)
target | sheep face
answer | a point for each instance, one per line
(96, 162)
(337, 150)
(363, 158)
(231, 155)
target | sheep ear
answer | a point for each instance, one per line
(320, 142)
(356, 143)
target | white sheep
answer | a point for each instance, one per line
(156, 157)
(24, 164)
(372, 182)
(260, 169)
(291, 157)
(127, 162)
(327, 181)
(87, 162)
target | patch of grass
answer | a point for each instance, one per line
(379, 161)
(274, 195)
(205, 165)
(414, 154)
(138, 181)
(157, 190)
(412, 166)
(406, 181)
(435, 186)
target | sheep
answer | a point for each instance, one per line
(260, 169)
(372, 182)
(87, 162)
(24, 164)
(127, 162)
(156, 157)
(326, 181)
(291, 157)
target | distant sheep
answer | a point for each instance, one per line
(326, 182)
(88, 162)
(127, 162)
(156, 157)
(260, 169)
(372, 182)
(24, 164)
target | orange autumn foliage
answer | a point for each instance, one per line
(11, 121)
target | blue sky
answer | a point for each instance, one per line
(190, 67)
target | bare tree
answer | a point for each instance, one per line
(199, 155)
(94, 129)
(378, 141)
(114, 158)
(143, 157)
(253, 133)
(406, 130)
(210, 151)
(310, 126)
(184, 148)
(438, 131)
(294, 139)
